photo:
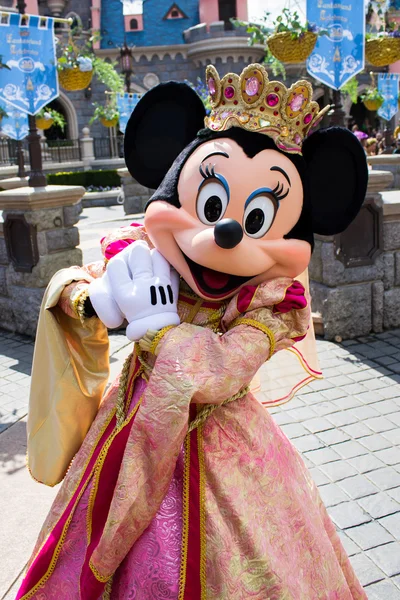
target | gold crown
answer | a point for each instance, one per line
(254, 103)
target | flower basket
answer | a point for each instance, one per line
(108, 122)
(372, 104)
(289, 50)
(382, 51)
(74, 79)
(42, 123)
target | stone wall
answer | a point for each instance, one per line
(387, 162)
(21, 292)
(355, 277)
(135, 195)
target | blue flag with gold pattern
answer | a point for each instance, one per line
(28, 49)
(338, 55)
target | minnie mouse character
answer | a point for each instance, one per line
(182, 486)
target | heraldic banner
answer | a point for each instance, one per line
(28, 49)
(338, 55)
(388, 86)
(15, 124)
(125, 104)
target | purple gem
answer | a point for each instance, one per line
(252, 86)
(297, 102)
(229, 92)
(297, 138)
(307, 118)
(211, 86)
(272, 99)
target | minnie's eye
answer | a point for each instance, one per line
(211, 202)
(259, 216)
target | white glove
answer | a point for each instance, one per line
(102, 299)
(144, 288)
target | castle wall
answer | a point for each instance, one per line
(157, 31)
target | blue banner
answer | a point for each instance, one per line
(388, 86)
(15, 124)
(125, 104)
(339, 55)
(27, 47)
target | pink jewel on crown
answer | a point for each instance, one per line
(272, 99)
(211, 86)
(297, 102)
(252, 86)
(254, 103)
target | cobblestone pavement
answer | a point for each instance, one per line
(346, 427)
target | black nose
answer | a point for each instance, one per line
(228, 233)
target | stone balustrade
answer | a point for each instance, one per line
(355, 276)
(387, 162)
(37, 239)
(135, 195)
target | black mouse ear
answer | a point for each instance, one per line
(162, 124)
(337, 177)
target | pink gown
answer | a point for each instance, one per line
(153, 509)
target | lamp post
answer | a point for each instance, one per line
(337, 115)
(126, 63)
(37, 178)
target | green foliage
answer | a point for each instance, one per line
(3, 113)
(286, 22)
(259, 35)
(351, 89)
(372, 93)
(289, 22)
(108, 111)
(107, 74)
(106, 178)
(50, 113)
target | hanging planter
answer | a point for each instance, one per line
(383, 50)
(108, 115)
(292, 50)
(75, 68)
(43, 123)
(73, 79)
(109, 122)
(373, 104)
(292, 42)
(48, 117)
(372, 99)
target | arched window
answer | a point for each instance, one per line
(133, 24)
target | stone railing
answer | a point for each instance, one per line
(387, 162)
(37, 239)
(355, 276)
(135, 195)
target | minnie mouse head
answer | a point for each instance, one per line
(238, 202)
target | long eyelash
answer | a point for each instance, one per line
(210, 171)
(277, 192)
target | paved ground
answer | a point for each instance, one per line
(346, 427)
